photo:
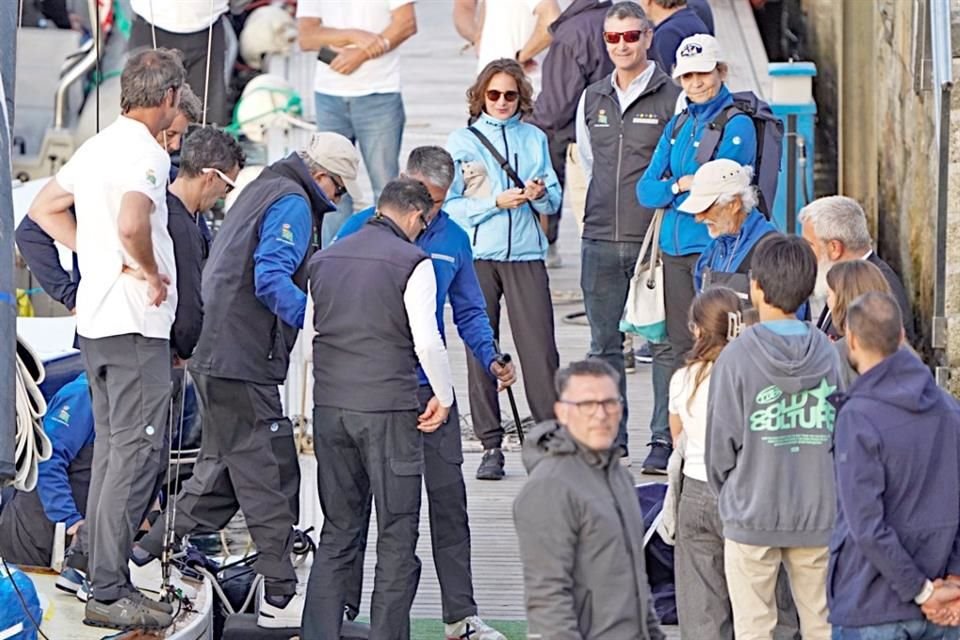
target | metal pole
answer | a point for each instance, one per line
(8, 297)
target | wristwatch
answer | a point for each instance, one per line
(675, 187)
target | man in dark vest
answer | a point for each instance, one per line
(375, 301)
(619, 122)
(254, 297)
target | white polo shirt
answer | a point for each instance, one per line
(180, 16)
(380, 75)
(122, 158)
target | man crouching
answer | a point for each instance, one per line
(578, 519)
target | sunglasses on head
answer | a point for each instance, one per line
(510, 96)
(613, 37)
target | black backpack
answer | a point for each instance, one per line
(769, 142)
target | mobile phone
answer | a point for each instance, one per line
(326, 55)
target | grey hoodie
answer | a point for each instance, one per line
(770, 437)
(581, 542)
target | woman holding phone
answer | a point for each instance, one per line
(503, 181)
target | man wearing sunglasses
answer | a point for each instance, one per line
(619, 121)
(254, 299)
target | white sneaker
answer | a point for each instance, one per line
(149, 579)
(472, 628)
(289, 617)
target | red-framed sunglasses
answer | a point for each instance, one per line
(613, 37)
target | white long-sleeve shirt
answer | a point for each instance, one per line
(420, 301)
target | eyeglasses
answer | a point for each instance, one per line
(510, 96)
(423, 221)
(340, 188)
(613, 37)
(231, 185)
(589, 407)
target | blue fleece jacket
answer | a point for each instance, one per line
(69, 425)
(449, 248)
(726, 253)
(675, 157)
(286, 231)
(897, 462)
(501, 234)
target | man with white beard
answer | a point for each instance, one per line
(835, 227)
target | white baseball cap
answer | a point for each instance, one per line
(714, 179)
(337, 155)
(699, 53)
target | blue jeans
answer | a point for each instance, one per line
(605, 272)
(375, 122)
(662, 367)
(906, 630)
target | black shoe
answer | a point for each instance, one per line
(656, 462)
(491, 467)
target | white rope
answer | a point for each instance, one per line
(206, 77)
(153, 26)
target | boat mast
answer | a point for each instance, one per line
(8, 295)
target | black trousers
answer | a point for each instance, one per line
(362, 456)
(248, 460)
(526, 289)
(193, 47)
(449, 524)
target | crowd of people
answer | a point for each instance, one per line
(812, 465)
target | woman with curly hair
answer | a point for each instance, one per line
(503, 180)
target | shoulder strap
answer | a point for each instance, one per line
(504, 163)
(710, 139)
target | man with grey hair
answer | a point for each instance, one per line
(449, 248)
(126, 303)
(375, 306)
(254, 301)
(620, 119)
(723, 198)
(835, 227)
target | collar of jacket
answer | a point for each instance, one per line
(657, 80)
(292, 167)
(554, 439)
(747, 230)
(433, 227)
(710, 109)
(576, 8)
(486, 120)
(387, 224)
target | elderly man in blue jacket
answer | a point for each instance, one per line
(449, 248)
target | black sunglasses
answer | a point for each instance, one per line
(510, 96)
(341, 189)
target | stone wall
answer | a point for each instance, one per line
(901, 200)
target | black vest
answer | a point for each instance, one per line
(622, 146)
(363, 357)
(241, 338)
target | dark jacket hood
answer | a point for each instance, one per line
(900, 380)
(791, 362)
(552, 439)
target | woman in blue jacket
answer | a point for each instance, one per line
(503, 180)
(666, 184)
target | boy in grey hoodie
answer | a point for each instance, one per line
(769, 442)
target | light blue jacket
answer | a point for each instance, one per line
(680, 234)
(505, 235)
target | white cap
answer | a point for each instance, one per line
(714, 179)
(337, 155)
(699, 53)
